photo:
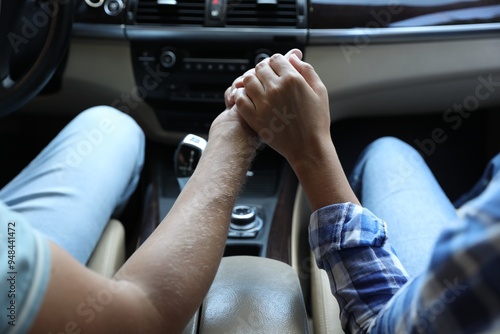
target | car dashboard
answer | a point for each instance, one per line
(169, 62)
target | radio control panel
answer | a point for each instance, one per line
(185, 83)
(173, 73)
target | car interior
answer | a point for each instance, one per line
(427, 72)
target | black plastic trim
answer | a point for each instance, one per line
(316, 37)
(141, 33)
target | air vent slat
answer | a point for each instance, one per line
(187, 12)
(249, 13)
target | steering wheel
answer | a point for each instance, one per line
(53, 20)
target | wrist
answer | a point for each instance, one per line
(321, 175)
(316, 155)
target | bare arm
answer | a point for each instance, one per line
(286, 103)
(160, 287)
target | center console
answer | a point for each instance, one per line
(254, 210)
(184, 55)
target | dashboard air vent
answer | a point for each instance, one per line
(250, 13)
(171, 12)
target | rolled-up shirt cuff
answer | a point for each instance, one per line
(346, 225)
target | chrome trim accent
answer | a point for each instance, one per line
(99, 31)
(401, 34)
(97, 4)
(167, 2)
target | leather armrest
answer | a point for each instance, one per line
(254, 295)
(109, 254)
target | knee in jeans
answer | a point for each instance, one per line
(393, 154)
(108, 120)
(385, 146)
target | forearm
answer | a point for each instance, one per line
(177, 264)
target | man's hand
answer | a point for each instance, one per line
(286, 103)
(238, 82)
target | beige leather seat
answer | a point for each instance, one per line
(325, 312)
(325, 309)
(109, 254)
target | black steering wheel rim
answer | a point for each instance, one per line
(14, 95)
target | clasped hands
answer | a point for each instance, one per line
(282, 101)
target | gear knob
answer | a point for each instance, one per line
(187, 156)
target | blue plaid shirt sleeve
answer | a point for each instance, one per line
(350, 243)
(458, 293)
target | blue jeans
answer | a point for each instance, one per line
(393, 181)
(80, 180)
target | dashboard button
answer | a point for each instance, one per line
(167, 59)
(113, 7)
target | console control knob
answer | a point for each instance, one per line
(168, 59)
(243, 215)
(246, 222)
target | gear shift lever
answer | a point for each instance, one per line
(187, 156)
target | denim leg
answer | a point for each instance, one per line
(86, 173)
(393, 181)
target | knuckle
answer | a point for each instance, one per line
(260, 65)
(241, 103)
(247, 79)
(275, 58)
(308, 67)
